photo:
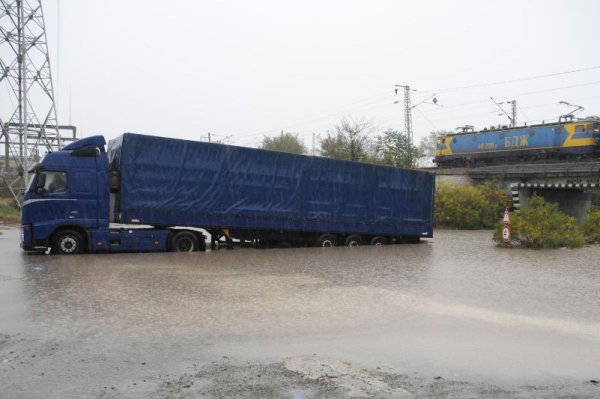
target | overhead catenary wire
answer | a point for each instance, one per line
(324, 115)
(483, 113)
(427, 119)
(432, 121)
(379, 101)
(502, 82)
(384, 102)
(523, 112)
(511, 95)
(452, 107)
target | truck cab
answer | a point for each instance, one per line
(67, 197)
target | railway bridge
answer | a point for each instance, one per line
(566, 183)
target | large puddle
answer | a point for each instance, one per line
(455, 305)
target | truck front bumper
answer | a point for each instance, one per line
(27, 242)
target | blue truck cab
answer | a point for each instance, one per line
(66, 206)
(68, 194)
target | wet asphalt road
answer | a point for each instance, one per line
(125, 325)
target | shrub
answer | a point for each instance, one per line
(469, 207)
(542, 225)
(591, 227)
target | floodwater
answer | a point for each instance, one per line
(455, 305)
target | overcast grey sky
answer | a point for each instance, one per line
(247, 69)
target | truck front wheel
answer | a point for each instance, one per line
(67, 242)
(184, 241)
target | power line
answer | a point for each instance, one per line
(427, 119)
(474, 86)
(470, 103)
(379, 98)
(524, 114)
(554, 103)
(324, 115)
(486, 101)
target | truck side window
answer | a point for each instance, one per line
(55, 182)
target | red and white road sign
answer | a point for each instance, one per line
(506, 234)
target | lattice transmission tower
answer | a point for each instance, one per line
(28, 119)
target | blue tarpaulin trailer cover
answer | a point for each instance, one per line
(167, 182)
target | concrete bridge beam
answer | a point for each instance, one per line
(571, 200)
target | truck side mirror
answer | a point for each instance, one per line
(41, 182)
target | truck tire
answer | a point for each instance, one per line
(353, 240)
(184, 241)
(326, 240)
(379, 240)
(67, 242)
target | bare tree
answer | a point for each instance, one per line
(349, 140)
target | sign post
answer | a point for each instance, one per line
(506, 228)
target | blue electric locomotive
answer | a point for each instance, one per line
(567, 138)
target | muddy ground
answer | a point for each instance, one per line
(296, 378)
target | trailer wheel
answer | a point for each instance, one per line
(378, 240)
(326, 241)
(353, 240)
(67, 242)
(184, 241)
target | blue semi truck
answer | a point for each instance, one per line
(146, 193)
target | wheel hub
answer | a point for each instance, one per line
(68, 244)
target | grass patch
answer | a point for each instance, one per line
(9, 213)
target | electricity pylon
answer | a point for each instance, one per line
(28, 120)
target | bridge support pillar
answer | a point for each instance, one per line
(572, 201)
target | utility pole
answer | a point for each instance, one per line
(407, 111)
(30, 127)
(513, 116)
(513, 104)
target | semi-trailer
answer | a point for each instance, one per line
(146, 193)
